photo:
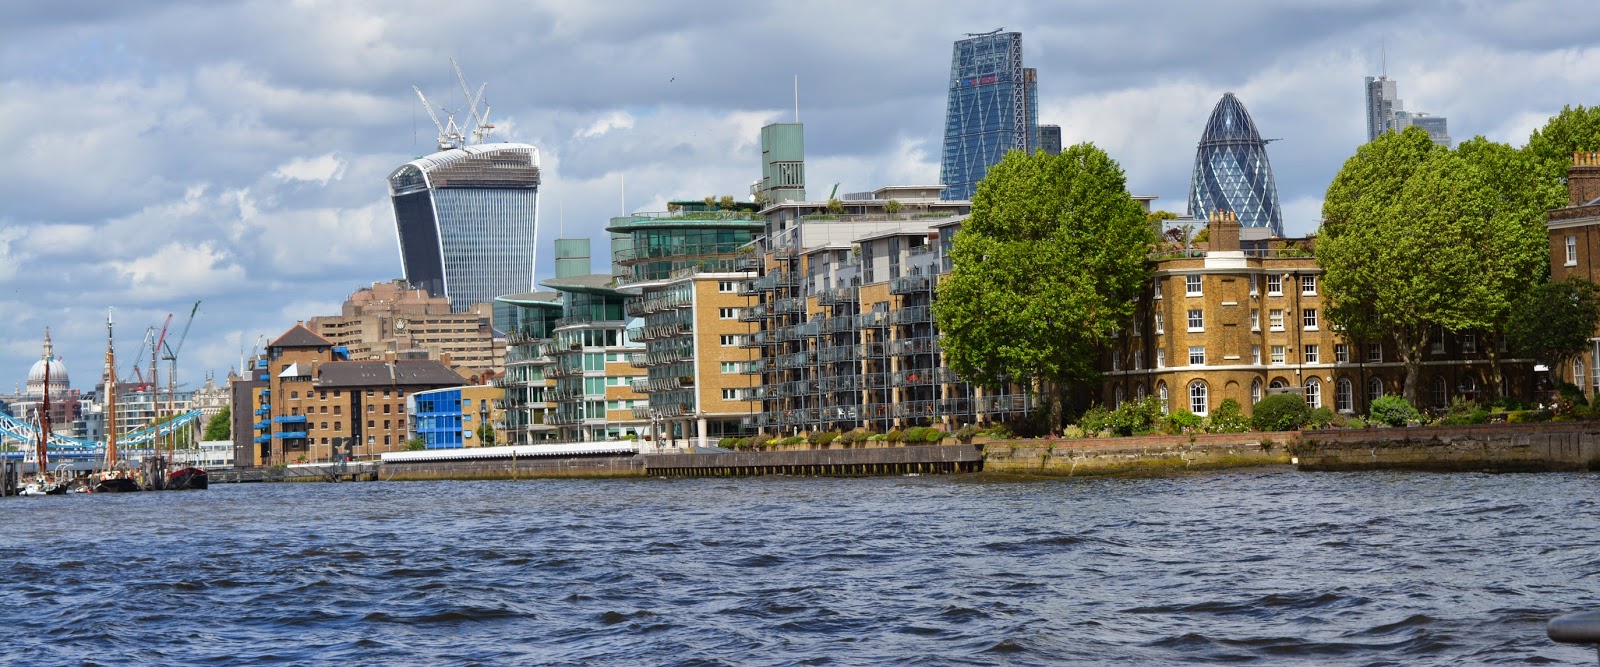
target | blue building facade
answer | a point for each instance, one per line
(993, 109)
(1231, 171)
(465, 220)
(439, 416)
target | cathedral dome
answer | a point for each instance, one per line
(57, 370)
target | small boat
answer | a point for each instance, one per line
(115, 481)
(43, 485)
(188, 477)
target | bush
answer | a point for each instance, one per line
(1001, 431)
(965, 434)
(1182, 420)
(1393, 411)
(894, 435)
(728, 443)
(822, 438)
(1512, 403)
(1463, 412)
(1028, 426)
(1529, 416)
(1137, 417)
(1322, 417)
(1227, 418)
(876, 437)
(792, 440)
(1280, 412)
(1072, 432)
(1095, 420)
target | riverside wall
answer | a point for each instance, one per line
(910, 459)
(1081, 457)
(1570, 446)
(522, 468)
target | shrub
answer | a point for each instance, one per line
(822, 438)
(1001, 431)
(728, 443)
(917, 434)
(876, 437)
(1227, 418)
(1028, 426)
(894, 435)
(1137, 417)
(1280, 412)
(1393, 411)
(1182, 420)
(1512, 403)
(1095, 420)
(792, 440)
(1529, 416)
(1072, 431)
(1463, 412)
(965, 434)
(1321, 417)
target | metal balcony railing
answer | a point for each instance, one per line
(841, 324)
(836, 354)
(789, 305)
(911, 315)
(754, 313)
(999, 404)
(923, 376)
(872, 319)
(910, 284)
(838, 295)
(914, 346)
(872, 350)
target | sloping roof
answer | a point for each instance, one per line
(401, 373)
(594, 283)
(300, 336)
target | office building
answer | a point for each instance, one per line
(393, 319)
(465, 221)
(1050, 139)
(1231, 171)
(454, 417)
(1386, 113)
(1437, 127)
(992, 109)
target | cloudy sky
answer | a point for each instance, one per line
(234, 153)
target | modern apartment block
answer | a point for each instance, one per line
(310, 401)
(1574, 244)
(593, 393)
(453, 417)
(992, 109)
(393, 319)
(1241, 323)
(529, 322)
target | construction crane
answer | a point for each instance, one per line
(451, 133)
(171, 357)
(171, 353)
(149, 335)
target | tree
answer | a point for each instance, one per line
(486, 435)
(221, 426)
(725, 203)
(892, 207)
(1554, 322)
(835, 206)
(1045, 270)
(1550, 150)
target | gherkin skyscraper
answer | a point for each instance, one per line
(1231, 171)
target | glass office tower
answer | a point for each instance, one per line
(1231, 171)
(993, 108)
(465, 221)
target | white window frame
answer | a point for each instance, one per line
(727, 287)
(1116, 361)
(1255, 319)
(1156, 285)
(1313, 390)
(1572, 251)
(1312, 353)
(1198, 398)
(1192, 285)
(1275, 319)
(1374, 353)
(726, 313)
(1162, 397)
(1161, 357)
(1255, 354)
(1278, 355)
(729, 340)
(1308, 285)
(1197, 320)
(1308, 319)
(1274, 285)
(730, 394)
(1344, 396)
(1374, 383)
(1159, 328)
(1197, 352)
(1138, 359)
(1341, 353)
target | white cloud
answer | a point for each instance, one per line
(179, 270)
(616, 120)
(320, 169)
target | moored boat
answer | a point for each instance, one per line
(188, 477)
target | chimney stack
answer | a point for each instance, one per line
(1222, 232)
(1583, 178)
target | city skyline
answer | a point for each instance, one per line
(157, 162)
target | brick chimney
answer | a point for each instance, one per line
(1222, 232)
(1583, 178)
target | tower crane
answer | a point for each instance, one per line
(171, 357)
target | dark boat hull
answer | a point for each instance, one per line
(187, 478)
(116, 485)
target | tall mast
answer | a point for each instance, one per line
(44, 412)
(111, 398)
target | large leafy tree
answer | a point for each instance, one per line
(221, 426)
(1550, 149)
(1046, 269)
(1553, 322)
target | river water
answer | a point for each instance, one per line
(1269, 566)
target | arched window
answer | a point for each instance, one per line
(1577, 372)
(1278, 383)
(1441, 392)
(1116, 401)
(1314, 393)
(1469, 387)
(1374, 390)
(1344, 396)
(1255, 391)
(1138, 391)
(1161, 395)
(1197, 397)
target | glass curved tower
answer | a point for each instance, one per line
(464, 218)
(1231, 171)
(993, 108)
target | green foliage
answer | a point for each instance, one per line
(729, 443)
(893, 436)
(965, 434)
(726, 202)
(1393, 411)
(893, 207)
(792, 440)
(1227, 418)
(835, 206)
(1095, 420)
(1280, 412)
(1137, 417)
(416, 445)
(1549, 151)
(1417, 236)
(1554, 321)
(1072, 431)
(1049, 264)
(1322, 417)
(221, 426)
(1001, 431)
(1463, 412)
(822, 438)
(1529, 416)
(486, 435)
(1182, 421)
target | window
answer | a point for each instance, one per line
(732, 367)
(1572, 251)
(1138, 326)
(1197, 397)
(1437, 340)
(1116, 401)
(594, 361)
(727, 313)
(1374, 353)
(1341, 353)
(1274, 285)
(1191, 285)
(1197, 320)
(292, 394)
(372, 423)
(1313, 355)
(726, 286)
(1197, 355)
(729, 340)
(371, 408)
(1308, 285)
(1255, 391)
(1116, 361)
(730, 394)
(1344, 396)
(1577, 371)
(338, 425)
(1138, 360)
(1158, 324)
(1469, 341)
(1161, 395)
(338, 409)
(386, 408)
(1161, 358)
(1275, 319)
(1374, 390)
(1308, 319)
(388, 423)
(1253, 291)
(1277, 355)
(1255, 354)
(1138, 391)
(1255, 319)
(1314, 393)
(616, 381)
(1441, 392)
(1156, 284)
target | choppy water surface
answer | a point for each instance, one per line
(1268, 566)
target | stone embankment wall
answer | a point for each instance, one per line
(1494, 448)
(1139, 455)
(911, 459)
(523, 468)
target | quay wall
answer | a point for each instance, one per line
(522, 468)
(917, 459)
(1080, 457)
(1571, 446)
